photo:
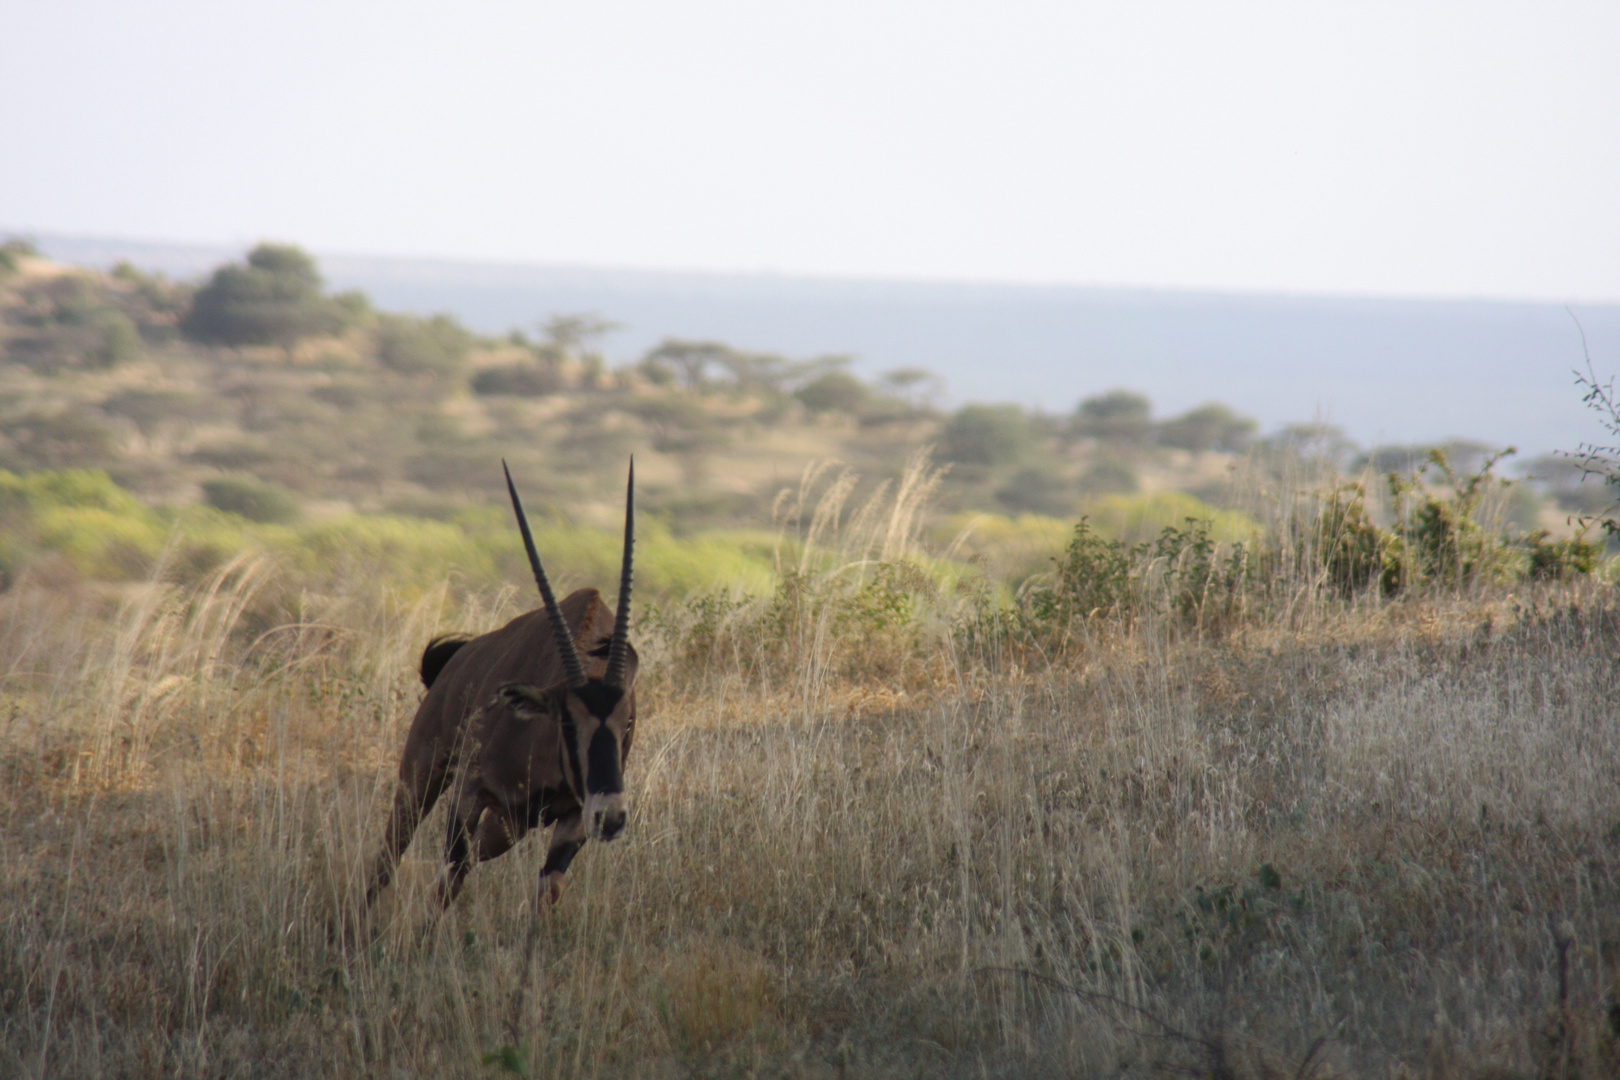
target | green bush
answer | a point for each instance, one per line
(1202, 586)
(13, 252)
(1442, 539)
(987, 435)
(415, 346)
(1093, 578)
(1037, 491)
(274, 298)
(1351, 550)
(251, 498)
(519, 380)
(1117, 416)
(836, 391)
(1208, 427)
(1561, 560)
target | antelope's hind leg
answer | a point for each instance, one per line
(414, 796)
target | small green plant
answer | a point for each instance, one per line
(1093, 579)
(1201, 587)
(1598, 459)
(1353, 553)
(508, 1058)
(1562, 559)
(1443, 541)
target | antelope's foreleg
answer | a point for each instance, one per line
(566, 840)
(485, 833)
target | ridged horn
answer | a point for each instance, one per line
(618, 650)
(573, 670)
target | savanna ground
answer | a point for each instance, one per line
(884, 824)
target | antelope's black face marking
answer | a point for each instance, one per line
(595, 721)
(600, 719)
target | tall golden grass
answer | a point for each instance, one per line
(1375, 838)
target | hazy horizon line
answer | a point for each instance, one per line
(229, 249)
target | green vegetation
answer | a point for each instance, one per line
(12, 253)
(274, 298)
(250, 498)
(414, 346)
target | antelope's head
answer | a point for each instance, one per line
(595, 715)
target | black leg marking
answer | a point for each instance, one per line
(560, 855)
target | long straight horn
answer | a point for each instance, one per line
(620, 646)
(573, 670)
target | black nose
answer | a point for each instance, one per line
(610, 824)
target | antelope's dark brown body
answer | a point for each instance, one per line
(525, 726)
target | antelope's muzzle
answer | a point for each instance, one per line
(605, 815)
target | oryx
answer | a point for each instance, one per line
(527, 726)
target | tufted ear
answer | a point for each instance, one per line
(526, 702)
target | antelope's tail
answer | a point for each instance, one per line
(437, 654)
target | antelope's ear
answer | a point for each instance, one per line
(526, 702)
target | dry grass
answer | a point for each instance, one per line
(1363, 840)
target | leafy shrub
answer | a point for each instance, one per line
(251, 498)
(836, 391)
(1201, 586)
(1561, 560)
(120, 341)
(1598, 459)
(1093, 578)
(1208, 427)
(415, 346)
(1108, 477)
(1351, 550)
(274, 298)
(518, 380)
(1442, 539)
(987, 435)
(66, 439)
(13, 252)
(1037, 491)
(1118, 416)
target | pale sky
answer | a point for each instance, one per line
(1403, 149)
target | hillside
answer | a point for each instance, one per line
(348, 410)
(1383, 369)
(254, 406)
